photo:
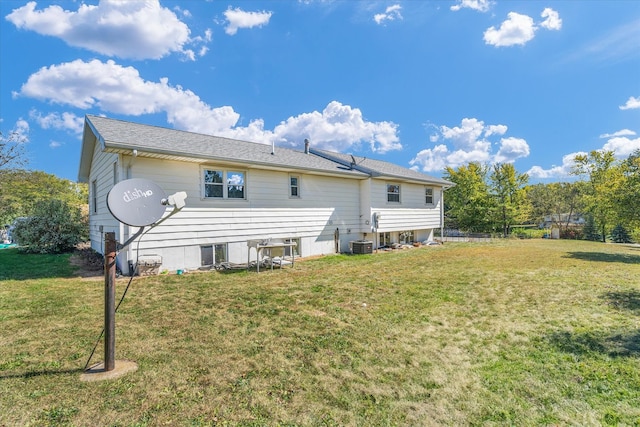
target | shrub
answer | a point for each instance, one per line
(619, 234)
(529, 233)
(54, 227)
(572, 233)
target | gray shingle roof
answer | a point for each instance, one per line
(121, 136)
(381, 168)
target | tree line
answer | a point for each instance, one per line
(497, 198)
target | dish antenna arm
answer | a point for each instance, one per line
(176, 200)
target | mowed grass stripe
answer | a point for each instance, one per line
(522, 332)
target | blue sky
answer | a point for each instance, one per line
(423, 84)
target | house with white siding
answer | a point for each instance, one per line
(239, 191)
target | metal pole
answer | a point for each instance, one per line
(110, 301)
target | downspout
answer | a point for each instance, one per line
(134, 154)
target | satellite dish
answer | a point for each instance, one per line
(136, 202)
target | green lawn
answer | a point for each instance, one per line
(513, 332)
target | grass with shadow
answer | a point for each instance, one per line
(510, 332)
(606, 257)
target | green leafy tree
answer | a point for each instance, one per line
(511, 205)
(557, 202)
(21, 190)
(468, 204)
(56, 226)
(605, 179)
(628, 194)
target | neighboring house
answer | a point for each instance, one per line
(564, 220)
(240, 191)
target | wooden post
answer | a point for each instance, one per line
(110, 301)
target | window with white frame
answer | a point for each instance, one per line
(384, 239)
(224, 184)
(213, 254)
(393, 193)
(294, 186)
(428, 195)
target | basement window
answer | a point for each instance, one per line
(292, 250)
(213, 254)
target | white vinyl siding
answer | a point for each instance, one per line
(101, 179)
(267, 212)
(410, 215)
(330, 204)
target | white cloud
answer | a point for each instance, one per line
(632, 103)
(468, 143)
(117, 89)
(126, 29)
(55, 144)
(479, 5)
(431, 159)
(184, 12)
(238, 18)
(495, 130)
(562, 171)
(121, 90)
(618, 142)
(19, 133)
(552, 21)
(511, 149)
(466, 135)
(390, 14)
(65, 121)
(622, 146)
(339, 127)
(623, 132)
(519, 29)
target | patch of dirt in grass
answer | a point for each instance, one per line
(87, 262)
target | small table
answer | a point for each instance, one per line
(261, 245)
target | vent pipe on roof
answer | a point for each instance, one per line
(273, 147)
(306, 146)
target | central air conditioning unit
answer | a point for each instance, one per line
(362, 247)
